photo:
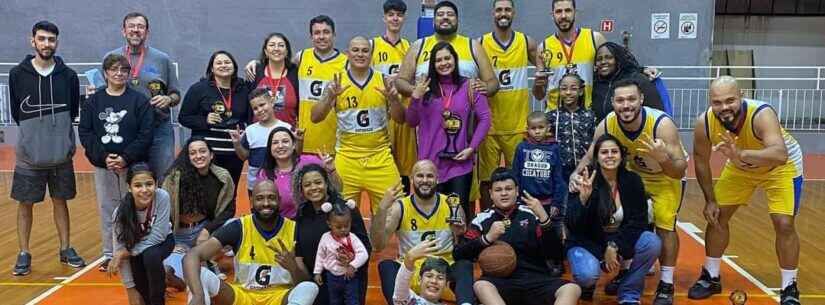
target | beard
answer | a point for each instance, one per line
(424, 195)
(504, 26)
(446, 31)
(565, 28)
(635, 115)
(266, 218)
(45, 54)
(730, 124)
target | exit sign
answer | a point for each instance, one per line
(608, 25)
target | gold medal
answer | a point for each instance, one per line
(507, 223)
(135, 82)
(446, 114)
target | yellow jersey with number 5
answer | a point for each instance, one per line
(313, 76)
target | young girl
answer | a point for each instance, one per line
(433, 276)
(142, 238)
(338, 246)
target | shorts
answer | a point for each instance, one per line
(490, 150)
(374, 174)
(270, 296)
(782, 186)
(404, 147)
(666, 194)
(29, 185)
(527, 288)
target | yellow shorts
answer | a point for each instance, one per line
(490, 151)
(404, 147)
(374, 174)
(270, 296)
(666, 194)
(446, 295)
(782, 186)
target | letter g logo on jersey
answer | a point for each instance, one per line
(393, 69)
(316, 88)
(262, 275)
(504, 77)
(363, 118)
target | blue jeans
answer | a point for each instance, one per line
(342, 291)
(586, 270)
(162, 151)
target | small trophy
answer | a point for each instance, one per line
(454, 202)
(507, 223)
(158, 87)
(738, 297)
(278, 102)
(547, 57)
(219, 108)
(452, 125)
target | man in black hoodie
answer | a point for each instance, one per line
(44, 101)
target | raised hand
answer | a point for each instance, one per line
(236, 134)
(393, 194)
(585, 185)
(328, 159)
(284, 256)
(535, 206)
(656, 149)
(422, 86)
(728, 148)
(334, 87)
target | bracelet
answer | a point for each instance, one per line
(545, 224)
(484, 240)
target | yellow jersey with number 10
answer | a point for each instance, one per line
(555, 53)
(362, 114)
(511, 104)
(255, 265)
(747, 139)
(313, 76)
(467, 66)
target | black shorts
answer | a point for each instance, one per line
(527, 288)
(29, 185)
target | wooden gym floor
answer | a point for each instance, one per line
(750, 262)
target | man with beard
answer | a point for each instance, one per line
(363, 103)
(388, 53)
(760, 155)
(266, 271)
(569, 49)
(44, 102)
(655, 152)
(510, 52)
(424, 215)
(150, 65)
(472, 60)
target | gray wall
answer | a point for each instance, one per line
(189, 30)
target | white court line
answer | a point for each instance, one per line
(73, 277)
(731, 263)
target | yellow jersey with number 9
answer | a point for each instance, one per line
(313, 76)
(747, 139)
(362, 112)
(638, 162)
(579, 55)
(467, 66)
(255, 265)
(511, 104)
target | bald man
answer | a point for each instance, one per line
(266, 270)
(760, 155)
(363, 103)
(424, 214)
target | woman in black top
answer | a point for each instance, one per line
(614, 63)
(275, 70)
(312, 187)
(608, 220)
(215, 105)
(116, 131)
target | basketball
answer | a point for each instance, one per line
(498, 260)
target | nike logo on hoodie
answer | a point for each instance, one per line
(27, 107)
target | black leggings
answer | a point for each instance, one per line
(149, 274)
(460, 185)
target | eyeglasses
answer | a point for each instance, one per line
(124, 70)
(135, 26)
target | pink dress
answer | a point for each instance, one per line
(283, 179)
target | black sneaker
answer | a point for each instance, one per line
(705, 286)
(612, 288)
(70, 257)
(664, 294)
(23, 265)
(104, 266)
(789, 295)
(587, 293)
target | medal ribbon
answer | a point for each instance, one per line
(135, 72)
(448, 99)
(274, 85)
(226, 101)
(568, 52)
(345, 242)
(147, 225)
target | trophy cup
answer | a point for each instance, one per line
(452, 126)
(219, 108)
(738, 297)
(454, 202)
(158, 87)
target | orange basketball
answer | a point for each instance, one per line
(498, 259)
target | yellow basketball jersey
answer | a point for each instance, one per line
(387, 59)
(362, 114)
(511, 104)
(584, 54)
(415, 226)
(467, 66)
(748, 140)
(255, 264)
(638, 162)
(313, 76)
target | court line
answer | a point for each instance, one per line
(58, 284)
(74, 276)
(730, 262)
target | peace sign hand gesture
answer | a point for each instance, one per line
(284, 256)
(535, 206)
(585, 185)
(422, 86)
(334, 87)
(656, 149)
(728, 148)
(236, 134)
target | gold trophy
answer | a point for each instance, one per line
(452, 126)
(738, 297)
(454, 202)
